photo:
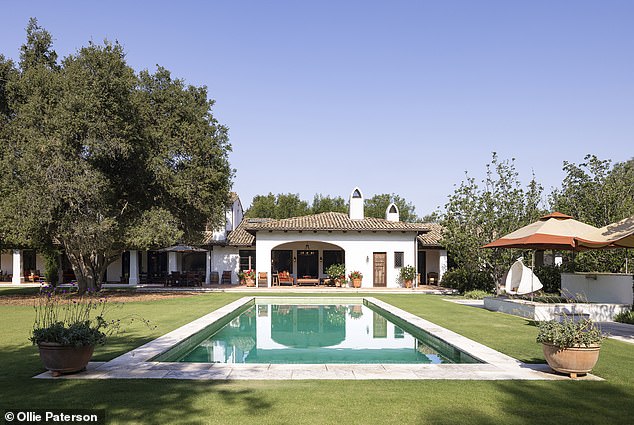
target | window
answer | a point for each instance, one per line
(356, 193)
(247, 257)
(332, 257)
(393, 209)
(398, 259)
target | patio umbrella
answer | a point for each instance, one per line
(555, 231)
(615, 235)
(182, 248)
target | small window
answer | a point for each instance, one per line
(398, 259)
(356, 193)
(393, 209)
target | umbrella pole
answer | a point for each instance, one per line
(532, 273)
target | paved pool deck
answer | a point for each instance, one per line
(139, 364)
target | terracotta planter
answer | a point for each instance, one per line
(64, 358)
(408, 283)
(356, 283)
(338, 283)
(250, 282)
(572, 360)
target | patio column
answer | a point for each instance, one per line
(172, 262)
(208, 267)
(442, 264)
(17, 267)
(134, 268)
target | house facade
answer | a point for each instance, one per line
(304, 247)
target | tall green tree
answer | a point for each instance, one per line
(477, 214)
(326, 203)
(278, 206)
(597, 193)
(100, 159)
(376, 206)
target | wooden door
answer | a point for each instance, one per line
(380, 269)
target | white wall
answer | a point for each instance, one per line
(113, 272)
(226, 258)
(6, 262)
(359, 249)
(598, 287)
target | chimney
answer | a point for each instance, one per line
(391, 213)
(356, 205)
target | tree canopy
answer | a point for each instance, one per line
(477, 214)
(598, 194)
(98, 158)
(290, 205)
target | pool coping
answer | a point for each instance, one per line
(138, 364)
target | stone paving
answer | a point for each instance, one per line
(138, 363)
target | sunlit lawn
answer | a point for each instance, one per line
(335, 402)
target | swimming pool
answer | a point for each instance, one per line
(301, 332)
(157, 359)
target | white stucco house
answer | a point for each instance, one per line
(305, 246)
(302, 246)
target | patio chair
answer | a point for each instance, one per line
(432, 278)
(285, 278)
(226, 277)
(263, 279)
(214, 279)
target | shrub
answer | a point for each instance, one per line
(407, 273)
(550, 276)
(464, 280)
(569, 333)
(476, 294)
(335, 271)
(51, 267)
(625, 317)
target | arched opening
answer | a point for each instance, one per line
(305, 260)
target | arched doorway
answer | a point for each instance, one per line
(305, 258)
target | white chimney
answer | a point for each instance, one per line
(391, 213)
(356, 204)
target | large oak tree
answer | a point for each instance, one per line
(98, 158)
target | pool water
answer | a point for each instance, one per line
(314, 334)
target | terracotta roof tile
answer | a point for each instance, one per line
(332, 221)
(433, 237)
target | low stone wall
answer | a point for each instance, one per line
(546, 311)
(612, 288)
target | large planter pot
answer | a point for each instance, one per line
(338, 283)
(250, 282)
(356, 283)
(60, 358)
(408, 283)
(571, 360)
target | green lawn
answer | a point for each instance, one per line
(331, 402)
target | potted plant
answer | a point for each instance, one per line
(67, 328)
(337, 273)
(249, 277)
(356, 278)
(570, 347)
(407, 275)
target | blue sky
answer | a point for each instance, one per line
(398, 96)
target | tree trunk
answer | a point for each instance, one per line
(89, 268)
